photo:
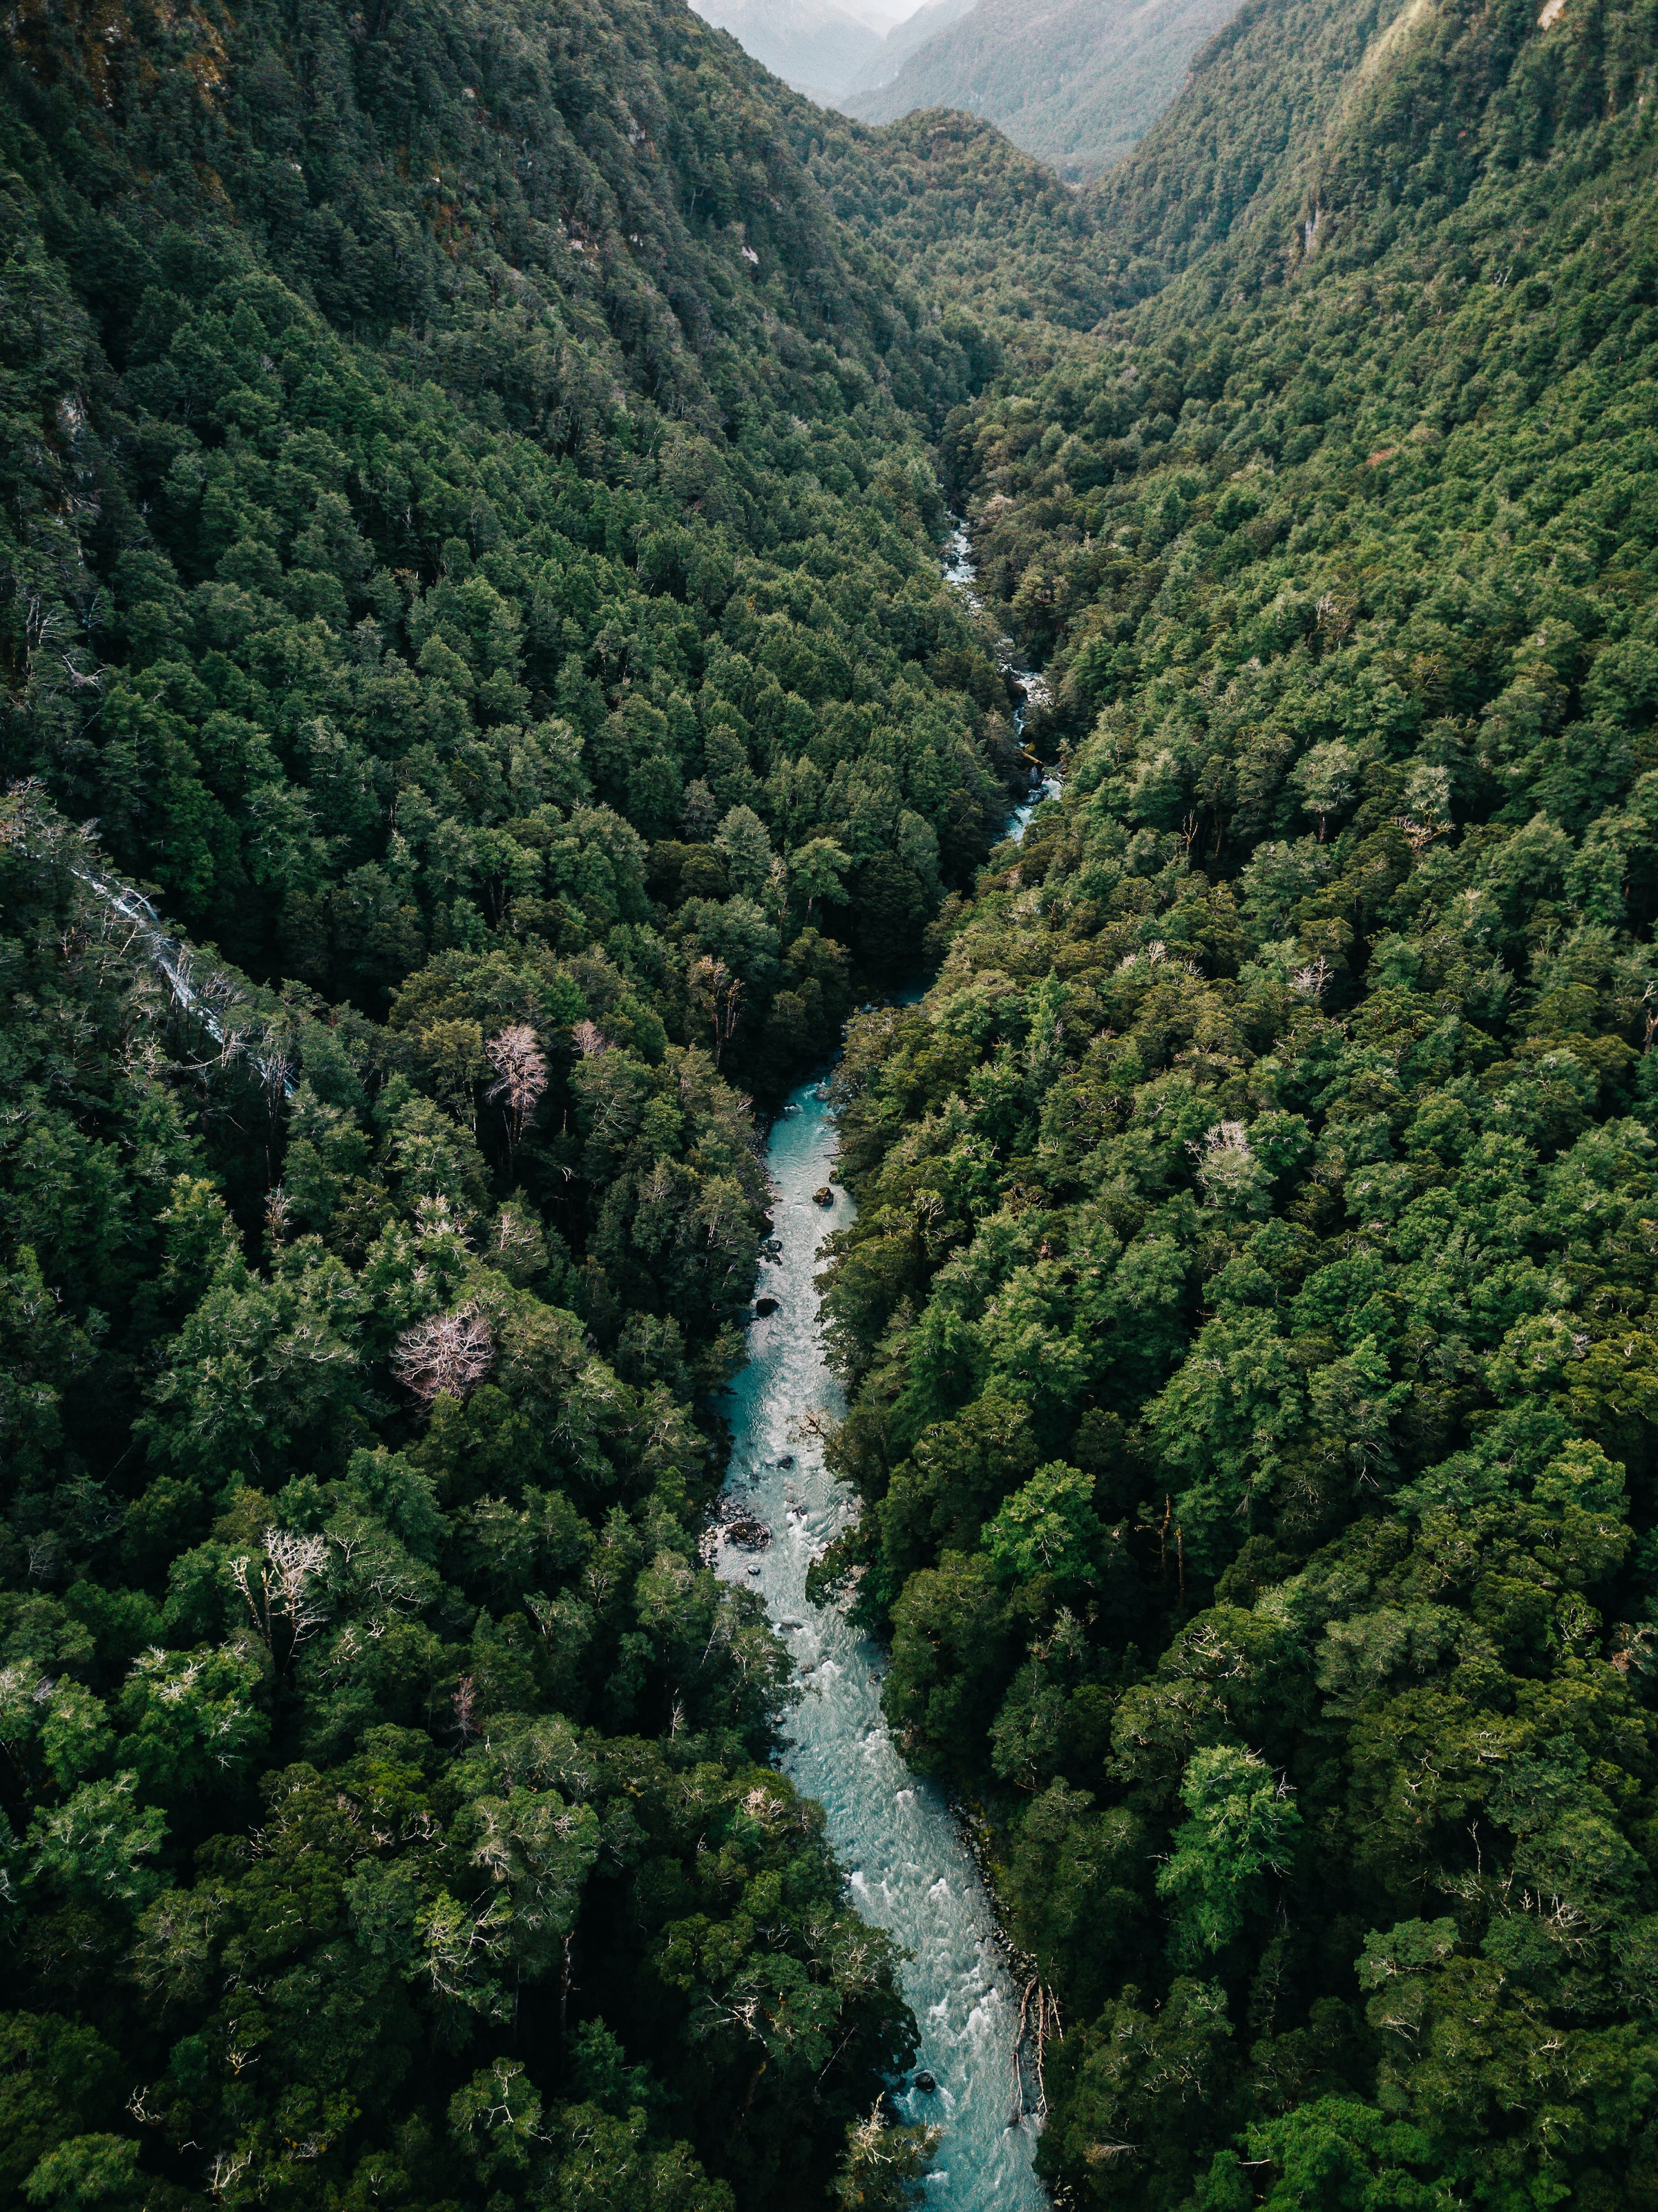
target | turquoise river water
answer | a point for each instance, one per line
(907, 1860)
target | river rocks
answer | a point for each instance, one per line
(925, 2083)
(764, 1306)
(786, 1459)
(823, 1196)
(744, 1529)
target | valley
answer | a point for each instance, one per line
(830, 1146)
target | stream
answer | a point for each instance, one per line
(908, 1865)
(961, 570)
(907, 1862)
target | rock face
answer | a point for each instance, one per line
(823, 1196)
(764, 1306)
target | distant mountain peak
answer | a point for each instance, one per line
(1076, 82)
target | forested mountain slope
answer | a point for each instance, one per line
(468, 548)
(1076, 82)
(490, 460)
(468, 537)
(1250, 1306)
(1014, 259)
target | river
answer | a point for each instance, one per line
(908, 1863)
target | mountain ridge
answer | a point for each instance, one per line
(1076, 83)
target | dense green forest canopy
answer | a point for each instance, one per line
(471, 481)
(1250, 1306)
(469, 550)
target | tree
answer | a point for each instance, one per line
(1244, 1824)
(744, 843)
(519, 1080)
(885, 2166)
(719, 994)
(1049, 1527)
(818, 869)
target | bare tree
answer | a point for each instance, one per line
(590, 1040)
(520, 1078)
(282, 1593)
(445, 1355)
(720, 994)
(1315, 979)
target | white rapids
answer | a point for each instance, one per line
(908, 1867)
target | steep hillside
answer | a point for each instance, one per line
(456, 480)
(1076, 82)
(1264, 93)
(1012, 259)
(1251, 1301)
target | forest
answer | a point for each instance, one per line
(471, 490)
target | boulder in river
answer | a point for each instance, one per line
(786, 1459)
(764, 1306)
(925, 2083)
(823, 1196)
(745, 1529)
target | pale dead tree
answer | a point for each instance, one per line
(520, 1078)
(589, 1040)
(282, 1592)
(445, 1355)
(1036, 2024)
(276, 1211)
(228, 2167)
(464, 1702)
(1313, 980)
(1419, 834)
(720, 995)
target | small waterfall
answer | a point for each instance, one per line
(172, 959)
(32, 824)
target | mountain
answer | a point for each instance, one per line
(480, 710)
(811, 45)
(1076, 84)
(902, 40)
